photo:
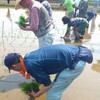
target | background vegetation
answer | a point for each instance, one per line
(54, 3)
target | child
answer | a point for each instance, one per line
(78, 24)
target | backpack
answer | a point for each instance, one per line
(85, 54)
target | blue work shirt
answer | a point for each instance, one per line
(50, 60)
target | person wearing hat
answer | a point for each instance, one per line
(39, 21)
(65, 60)
(78, 24)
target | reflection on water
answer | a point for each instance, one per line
(92, 25)
(9, 15)
(96, 67)
(96, 49)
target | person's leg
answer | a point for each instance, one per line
(81, 28)
(95, 10)
(63, 80)
(46, 39)
(77, 35)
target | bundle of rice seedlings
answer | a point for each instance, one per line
(22, 21)
(27, 87)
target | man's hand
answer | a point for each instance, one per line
(43, 90)
(21, 27)
(32, 93)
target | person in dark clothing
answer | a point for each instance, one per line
(83, 6)
(78, 24)
(64, 60)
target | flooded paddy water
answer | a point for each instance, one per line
(12, 39)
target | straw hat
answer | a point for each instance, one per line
(17, 5)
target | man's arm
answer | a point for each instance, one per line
(34, 21)
(64, 4)
(27, 28)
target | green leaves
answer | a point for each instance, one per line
(27, 87)
(22, 18)
(21, 21)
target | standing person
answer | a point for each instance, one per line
(78, 24)
(95, 7)
(68, 4)
(64, 60)
(39, 21)
(83, 6)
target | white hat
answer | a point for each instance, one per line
(17, 5)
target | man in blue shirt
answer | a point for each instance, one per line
(64, 60)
